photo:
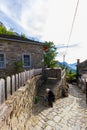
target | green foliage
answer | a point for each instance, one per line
(18, 65)
(71, 75)
(3, 30)
(50, 54)
(37, 99)
(10, 31)
(23, 35)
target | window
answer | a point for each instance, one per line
(26, 60)
(2, 60)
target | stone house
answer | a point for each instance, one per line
(82, 71)
(15, 48)
(83, 67)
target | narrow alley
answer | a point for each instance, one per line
(69, 113)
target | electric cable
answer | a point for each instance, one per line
(72, 26)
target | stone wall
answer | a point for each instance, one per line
(53, 73)
(14, 51)
(61, 88)
(82, 83)
(18, 108)
(57, 75)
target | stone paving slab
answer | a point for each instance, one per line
(68, 113)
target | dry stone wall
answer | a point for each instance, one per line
(61, 87)
(18, 108)
(53, 73)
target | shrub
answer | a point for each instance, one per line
(18, 65)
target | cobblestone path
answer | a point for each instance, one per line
(67, 113)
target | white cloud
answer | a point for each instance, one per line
(51, 20)
(33, 19)
(31, 15)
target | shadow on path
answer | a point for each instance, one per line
(40, 106)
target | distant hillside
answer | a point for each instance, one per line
(68, 66)
(73, 66)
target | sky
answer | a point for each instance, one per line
(50, 20)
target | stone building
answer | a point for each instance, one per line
(83, 67)
(14, 49)
(82, 71)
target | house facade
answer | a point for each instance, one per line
(83, 67)
(14, 49)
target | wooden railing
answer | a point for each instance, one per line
(11, 84)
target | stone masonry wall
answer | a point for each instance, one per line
(18, 108)
(59, 76)
(53, 73)
(61, 86)
(14, 51)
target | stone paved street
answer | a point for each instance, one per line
(68, 113)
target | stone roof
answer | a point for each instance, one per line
(84, 62)
(83, 67)
(18, 38)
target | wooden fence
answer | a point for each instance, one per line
(11, 84)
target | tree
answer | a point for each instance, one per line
(3, 30)
(50, 54)
(10, 31)
(71, 76)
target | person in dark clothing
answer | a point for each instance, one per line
(50, 97)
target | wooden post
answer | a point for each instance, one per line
(86, 90)
(77, 73)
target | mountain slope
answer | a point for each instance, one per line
(68, 66)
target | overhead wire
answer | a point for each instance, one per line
(72, 26)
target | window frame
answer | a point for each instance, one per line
(27, 54)
(4, 60)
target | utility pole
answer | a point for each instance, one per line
(77, 73)
(63, 60)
